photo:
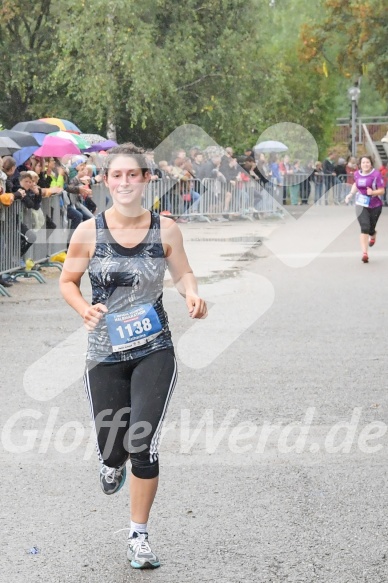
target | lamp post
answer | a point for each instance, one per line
(354, 94)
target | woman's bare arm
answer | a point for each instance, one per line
(77, 260)
(179, 267)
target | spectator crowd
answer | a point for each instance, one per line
(38, 178)
(214, 182)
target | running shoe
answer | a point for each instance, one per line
(139, 552)
(112, 479)
(365, 258)
(372, 240)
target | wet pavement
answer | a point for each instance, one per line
(274, 455)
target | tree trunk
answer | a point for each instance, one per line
(15, 110)
(111, 133)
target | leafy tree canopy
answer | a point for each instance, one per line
(232, 67)
(353, 37)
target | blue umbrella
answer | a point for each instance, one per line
(39, 137)
(23, 154)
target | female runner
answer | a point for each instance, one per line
(368, 187)
(131, 368)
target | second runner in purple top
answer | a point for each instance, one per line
(372, 180)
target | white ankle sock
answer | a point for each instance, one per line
(138, 527)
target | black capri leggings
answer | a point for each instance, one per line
(128, 402)
(368, 219)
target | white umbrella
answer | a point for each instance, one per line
(270, 146)
(92, 138)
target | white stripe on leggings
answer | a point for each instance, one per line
(156, 437)
(89, 395)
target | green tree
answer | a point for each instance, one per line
(232, 67)
(153, 66)
(309, 94)
(353, 35)
(27, 52)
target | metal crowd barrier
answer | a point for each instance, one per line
(101, 197)
(171, 196)
(51, 241)
(161, 195)
(245, 199)
(210, 198)
(9, 240)
(303, 188)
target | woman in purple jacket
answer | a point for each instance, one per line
(368, 187)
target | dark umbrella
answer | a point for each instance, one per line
(23, 139)
(8, 146)
(37, 126)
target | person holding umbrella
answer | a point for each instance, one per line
(13, 187)
(56, 148)
(272, 147)
(286, 171)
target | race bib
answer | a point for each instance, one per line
(134, 327)
(362, 199)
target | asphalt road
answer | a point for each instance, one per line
(259, 483)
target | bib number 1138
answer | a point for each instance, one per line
(135, 328)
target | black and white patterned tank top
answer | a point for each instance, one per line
(123, 278)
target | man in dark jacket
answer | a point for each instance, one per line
(31, 201)
(329, 173)
(217, 196)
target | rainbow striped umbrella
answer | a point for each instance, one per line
(63, 124)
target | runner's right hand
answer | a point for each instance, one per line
(93, 315)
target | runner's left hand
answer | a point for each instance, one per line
(196, 306)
